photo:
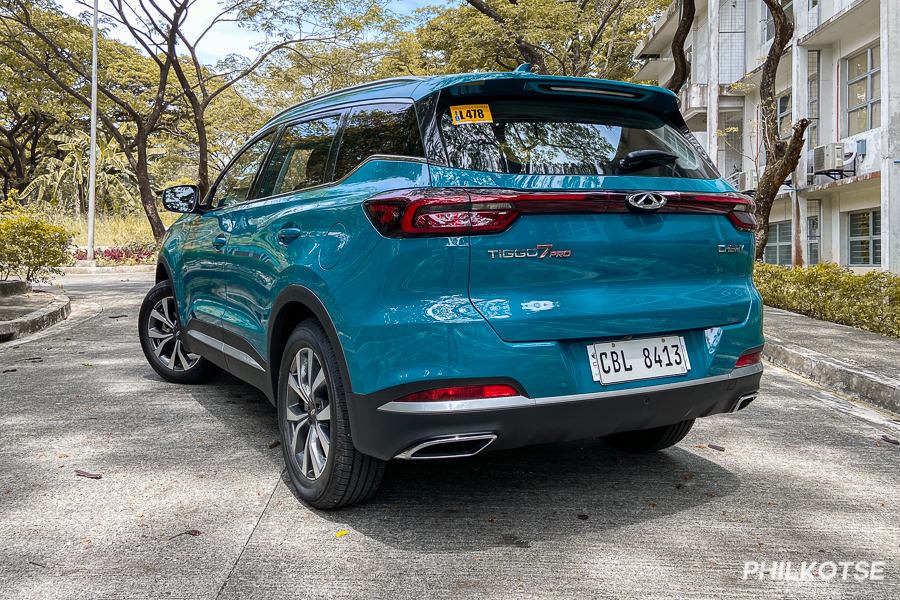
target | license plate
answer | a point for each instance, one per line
(632, 360)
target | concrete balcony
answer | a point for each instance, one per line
(654, 69)
(858, 14)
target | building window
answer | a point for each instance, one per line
(865, 239)
(864, 91)
(788, 6)
(813, 14)
(813, 232)
(778, 247)
(784, 115)
(812, 133)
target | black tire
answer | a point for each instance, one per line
(312, 407)
(160, 336)
(649, 440)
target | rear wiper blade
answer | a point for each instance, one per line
(652, 157)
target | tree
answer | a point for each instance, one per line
(30, 110)
(160, 34)
(113, 173)
(781, 156)
(131, 91)
(579, 38)
(682, 66)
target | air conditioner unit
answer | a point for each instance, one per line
(748, 181)
(829, 157)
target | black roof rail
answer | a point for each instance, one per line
(354, 88)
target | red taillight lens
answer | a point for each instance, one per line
(743, 221)
(748, 359)
(738, 207)
(467, 392)
(431, 213)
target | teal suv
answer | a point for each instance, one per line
(423, 268)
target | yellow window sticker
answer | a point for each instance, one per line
(471, 113)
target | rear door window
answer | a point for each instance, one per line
(539, 137)
(389, 128)
(300, 158)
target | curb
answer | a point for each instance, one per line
(868, 386)
(14, 288)
(99, 270)
(58, 310)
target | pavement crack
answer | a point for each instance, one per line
(250, 537)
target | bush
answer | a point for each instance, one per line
(32, 248)
(833, 293)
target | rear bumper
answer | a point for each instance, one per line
(384, 428)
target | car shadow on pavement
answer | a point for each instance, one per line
(516, 497)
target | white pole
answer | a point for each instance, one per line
(92, 176)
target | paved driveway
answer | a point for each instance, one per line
(800, 480)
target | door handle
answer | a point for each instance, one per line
(287, 235)
(219, 242)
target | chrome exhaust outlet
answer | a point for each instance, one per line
(743, 402)
(450, 446)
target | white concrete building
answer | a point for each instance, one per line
(842, 71)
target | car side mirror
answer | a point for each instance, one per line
(181, 198)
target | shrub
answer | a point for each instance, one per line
(32, 248)
(833, 293)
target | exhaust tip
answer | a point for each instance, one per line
(744, 401)
(449, 446)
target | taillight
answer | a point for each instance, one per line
(748, 359)
(466, 392)
(738, 207)
(432, 212)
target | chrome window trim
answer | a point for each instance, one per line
(478, 404)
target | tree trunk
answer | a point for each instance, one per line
(781, 156)
(682, 66)
(148, 200)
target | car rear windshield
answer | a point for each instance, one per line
(521, 136)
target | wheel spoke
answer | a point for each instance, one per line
(165, 307)
(185, 363)
(313, 451)
(158, 350)
(297, 438)
(295, 413)
(323, 440)
(306, 453)
(324, 414)
(156, 334)
(162, 318)
(292, 383)
(307, 373)
(319, 382)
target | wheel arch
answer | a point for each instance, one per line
(295, 304)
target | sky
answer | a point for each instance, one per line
(225, 38)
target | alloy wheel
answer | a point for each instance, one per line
(309, 413)
(165, 337)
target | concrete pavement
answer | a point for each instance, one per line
(852, 361)
(801, 479)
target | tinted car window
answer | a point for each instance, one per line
(300, 157)
(234, 186)
(568, 138)
(378, 129)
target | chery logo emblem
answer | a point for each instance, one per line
(646, 201)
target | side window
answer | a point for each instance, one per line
(378, 129)
(300, 157)
(234, 186)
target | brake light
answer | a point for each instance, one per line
(738, 207)
(434, 212)
(748, 359)
(467, 392)
(431, 213)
